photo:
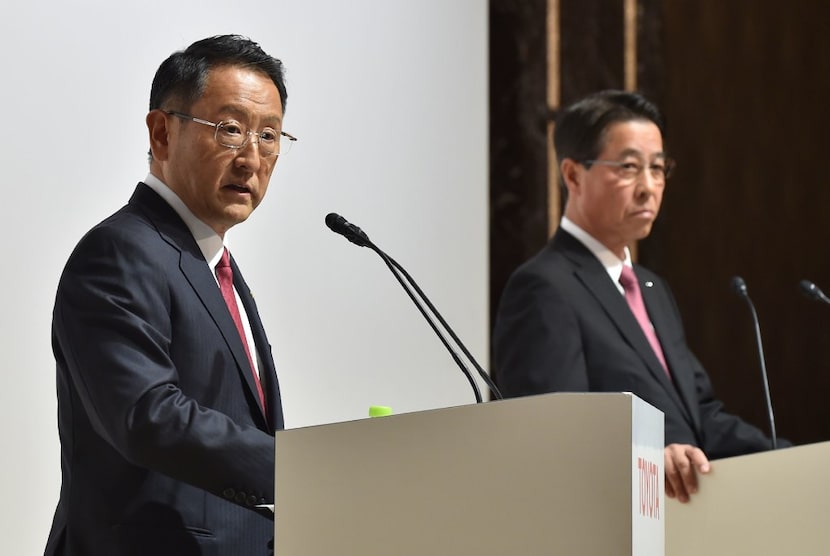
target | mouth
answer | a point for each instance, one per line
(238, 188)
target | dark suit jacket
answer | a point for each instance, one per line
(164, 447)
(562, 325)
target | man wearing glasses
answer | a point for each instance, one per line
(167, 392)
(580, 317)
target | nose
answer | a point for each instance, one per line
(248, 156)
(647, 182)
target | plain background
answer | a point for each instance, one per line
(389, 100)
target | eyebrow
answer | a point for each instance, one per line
(638, 154)
(267, 120)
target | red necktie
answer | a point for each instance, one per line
(224, 273)
(634, 297)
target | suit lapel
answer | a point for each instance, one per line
(600, 285)
(268, 372)
(665, 328)
(594, 277)
(197, 273)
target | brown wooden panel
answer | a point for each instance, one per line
(744, 87)
(518, 121)
(592, 47)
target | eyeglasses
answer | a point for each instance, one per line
(234, 135)
(629, 171)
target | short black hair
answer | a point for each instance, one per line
(183, 75)
(580, 128)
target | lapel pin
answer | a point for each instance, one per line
(649, 284)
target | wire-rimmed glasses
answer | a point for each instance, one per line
(234, 135)
(629, 170)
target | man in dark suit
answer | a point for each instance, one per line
(167, 393)
(564, 321)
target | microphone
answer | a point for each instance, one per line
(739, 286)
(813, 292)
(341, 226)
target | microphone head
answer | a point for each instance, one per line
(335, 222)
(739, 286)
(340, 225)
(809, 289)
(813, 292)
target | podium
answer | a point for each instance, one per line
(767, 503)
(550, 474)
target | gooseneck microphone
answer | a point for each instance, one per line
(341, 226)
(813, 292)
(739, 286)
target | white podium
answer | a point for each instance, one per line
(553, 474)
(768, 503)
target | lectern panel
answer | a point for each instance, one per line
(553, 474)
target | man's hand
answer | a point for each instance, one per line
(683, 462)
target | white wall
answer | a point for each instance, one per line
(389, 100)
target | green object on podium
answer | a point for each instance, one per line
(379, 410)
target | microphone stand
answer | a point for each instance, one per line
(354, 234)
(739, 286)
(484, 375)
(393, 268)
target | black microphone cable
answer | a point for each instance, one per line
(340, 225)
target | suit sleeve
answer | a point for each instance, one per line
(112, 336)
(536, 340)
(724, 434)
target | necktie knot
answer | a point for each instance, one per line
(628, 279)
(225, 261)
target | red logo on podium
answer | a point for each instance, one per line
(649, 484)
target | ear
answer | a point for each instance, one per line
(159, 134)
(572, 174)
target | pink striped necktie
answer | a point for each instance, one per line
(224, 274)
(634, 297)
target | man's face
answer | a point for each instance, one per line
(221, 186)
(607, 200)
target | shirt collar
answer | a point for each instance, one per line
(206, 238)
(612, 263)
